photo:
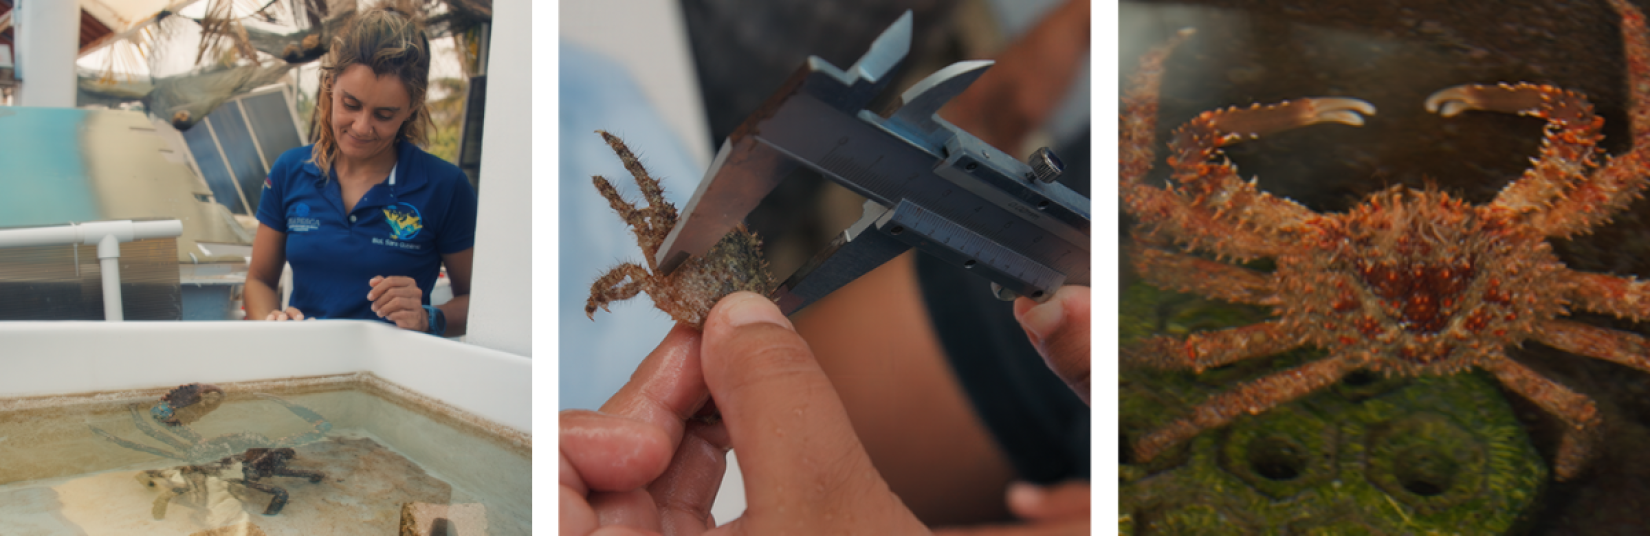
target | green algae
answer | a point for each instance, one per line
(1372, 455)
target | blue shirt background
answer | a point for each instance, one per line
(400, 227)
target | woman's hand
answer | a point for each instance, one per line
(398, 299)
(291, 313)
(263, 277)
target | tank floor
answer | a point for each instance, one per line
(365, 486)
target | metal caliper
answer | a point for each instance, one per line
(929, 185)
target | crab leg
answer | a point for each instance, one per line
(136, 446)
(1209, 349)
(1624, 297)
(276, 503)
(1217, 210)
(1636, 50)
(1596, 199)
(1186, 273)
(637, 219)
(1138, 122)
(1610, 345)
(628, 212)
(1253, 397)
(313, 476)
(1159, 208)
(184, 431)
(609, 290)
(148, 428)
(1558, 400)
(660, 213)
(319, 425)
(650, 187)
(1593, 201)
(1217, 187)
(1567, 148)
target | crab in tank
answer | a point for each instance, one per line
(199, 483)
(735, 263)
(260, 463)
(186, 397)
(169, 421)
(1410, 282)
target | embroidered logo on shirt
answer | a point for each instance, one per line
(299, 221)
(404, 220)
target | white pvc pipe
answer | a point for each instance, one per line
(108, 257)
(107, 235)
(89, 233)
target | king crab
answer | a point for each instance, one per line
(687, 294)
(1412, 282)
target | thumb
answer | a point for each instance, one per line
(1059, 328)
(803, 465)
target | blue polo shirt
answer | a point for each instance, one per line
(401, 226)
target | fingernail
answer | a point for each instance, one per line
(1044, 318)
(745, 308)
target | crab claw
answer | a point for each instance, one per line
(1240, 123)
(1339, 110)
(187, 395)
(1505, 98)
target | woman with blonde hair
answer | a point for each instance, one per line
(365, 217)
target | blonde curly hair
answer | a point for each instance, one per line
(391, 41)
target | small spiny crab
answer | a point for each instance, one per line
(1409, 283)
(733, 264)
(185, 396)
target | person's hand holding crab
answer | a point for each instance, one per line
(810, 432)
(652, 459)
